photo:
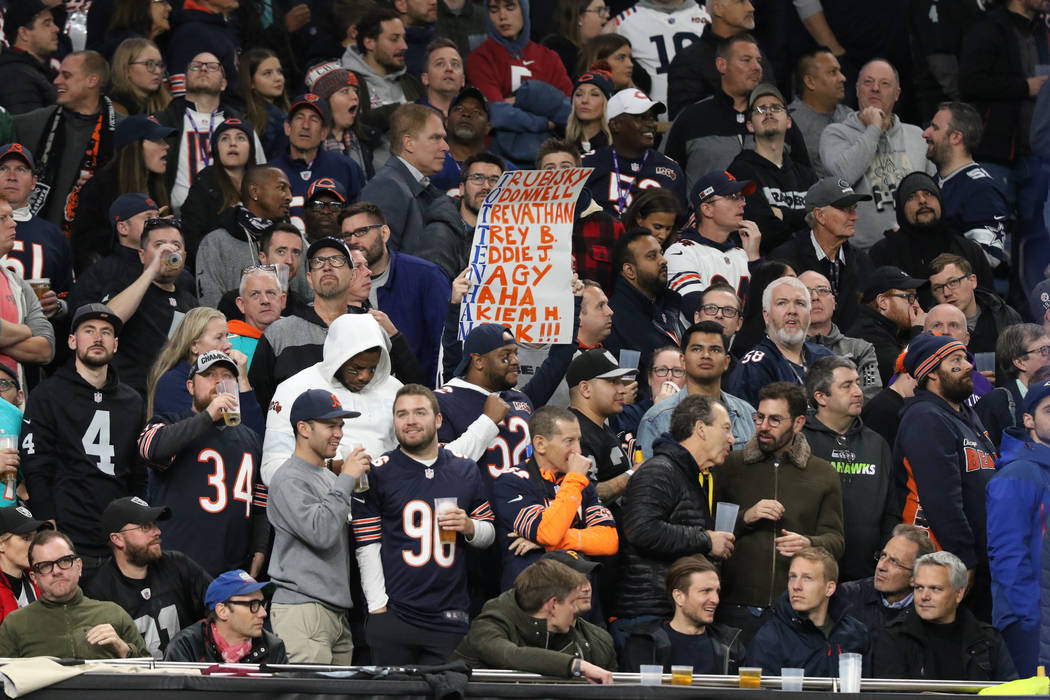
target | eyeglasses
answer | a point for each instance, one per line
(46, 567)
(774, 421)
(950, 285)
(1043, 351)
(363, 231)
(769, 109)
(601, 11)
(145, 527)
(318, 262)
(8, 384)
(327, 206)
(820, 291)
(676, 372)
(714, 309)
(478, 178)
(210, 66)
(910, 297)
(151, 65)
(252, 605)
(731, 197)
(879, 556)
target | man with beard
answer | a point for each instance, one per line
(952, 281)
(309, 506)
(413, 292)
(632, 163)
(861, 457)
(947, 319)
(163, 591)
(645, 312)
(325, 200)
(783, 355)
(209, 470)
(407, 538)
(789, 499)
(304, 161)
(923, 234)
(468, 135)
(63, 622)
(78, 437)
(377, 57)
(944, 459)
(974, 204)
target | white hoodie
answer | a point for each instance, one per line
(348, 335)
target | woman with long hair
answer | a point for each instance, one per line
(202, 330)
(616, 51)
(575, 23)
(140, 159)
(347, 134)
(217, 187)
(147, 19)
(587, 126)
(657, 209)
(262, 88)
(137, 77)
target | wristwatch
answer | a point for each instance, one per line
(577, 665)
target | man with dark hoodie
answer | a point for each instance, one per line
(780, 207)
(861, 456)
(810, 628)
(923, 234)
(943, 458)
(202, 25)
(32, 38)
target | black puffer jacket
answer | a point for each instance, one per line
(665, 516)
(195, 643)
(27, 82)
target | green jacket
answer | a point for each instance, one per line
(44, 628)
(505, 636)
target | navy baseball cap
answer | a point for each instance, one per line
(17, 150)
(314, 102)
(131, 510)
(1039, 300)
(213, 357)
(139, 127)
(318, 404)
(888, 277)
(329, 242)
(231, 583)
(1036, 393)
(468, 93)
(99, 311)
(482, 339)
(326, 185)
(719, 183)
(128, 205)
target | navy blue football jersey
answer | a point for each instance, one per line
(461, 405)
(214, 490)
(42, 250)
(974, 206)
(616, 194)
(426, 580)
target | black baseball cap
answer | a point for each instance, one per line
(318, 404)
(131, 510)
(833, 192)
(595, 364)
(19, 14)
(329, 242)
(99, 311)
(468, 93)
(19, 521)
(573, 559)
(888, 277)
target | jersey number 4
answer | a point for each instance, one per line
(420, 524)
(242, 485)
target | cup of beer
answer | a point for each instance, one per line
(40, 285)
(173, 259)
(443, 505)
(9, 478)
(750, 677)
(681, 675)
(232, 416)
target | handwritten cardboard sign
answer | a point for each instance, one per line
(521, 259)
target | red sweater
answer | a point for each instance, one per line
(8, 603)
(498, 75)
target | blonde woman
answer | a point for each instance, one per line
(137, 77)
(587, 126)
(17, 527)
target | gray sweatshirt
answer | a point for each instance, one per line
(309, 508)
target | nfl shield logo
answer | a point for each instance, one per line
(305, 175)
(146, 593)
(98, 397)
(428, 473)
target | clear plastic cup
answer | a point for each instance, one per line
(791, 679)
(231, 417)
(442, 505)
(725, 516)
(652, 674)
(849, 673)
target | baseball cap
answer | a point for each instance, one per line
(19, 14)
(468, 93)
(99, 311)
(230, 583)
(312, 101)
(11, 373)
(17, 150)
(131, 510)
(572, 559)
(128, 205)
(719, 183)
(926, 351)
(886, 278)
(595, 364)
(1039, 300)
(482, 339)
(631, 101)
(833, 192)
(318, 404)
(326, 185)
(231, 123)
(19, 521)
(139, 127)
(764, 90)
(1036, 393)
(213, 357)
(329, 242)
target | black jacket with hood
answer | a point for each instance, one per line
(27, 82)
(783, 187)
